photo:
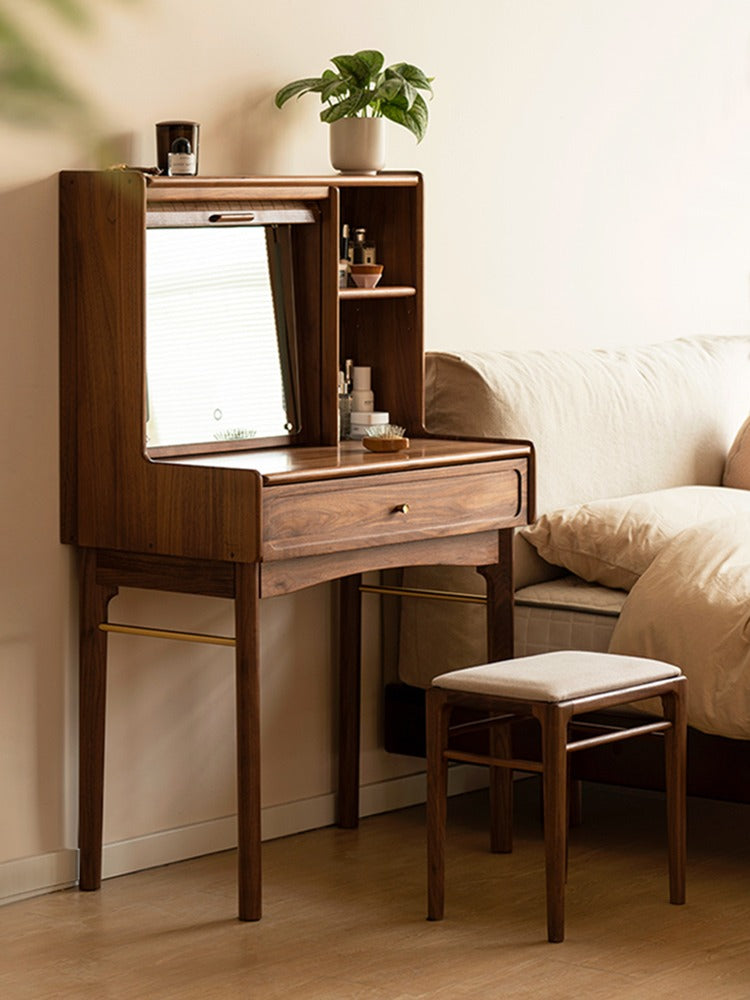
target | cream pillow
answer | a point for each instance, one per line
(737, 465)
(693, 608)
(613, 541)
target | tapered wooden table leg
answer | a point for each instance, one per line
(350, 631)
(247, 666)
(499, 578)
(92, 706)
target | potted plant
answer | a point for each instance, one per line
(359, 95)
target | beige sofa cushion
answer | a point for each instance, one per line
(613, 542)
(605, 423)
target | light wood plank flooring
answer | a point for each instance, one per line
(344, 917)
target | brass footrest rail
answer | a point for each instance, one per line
(165, 633)
(438, 595)
(226, 640)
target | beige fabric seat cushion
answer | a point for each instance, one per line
(557, 677)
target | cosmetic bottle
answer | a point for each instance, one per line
(345, 402)
(344, 250)
(362, 250)
(362, 423)
(368, 252)
(181, 159)
(363, 400)
(358, 250)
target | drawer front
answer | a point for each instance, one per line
(384, 510)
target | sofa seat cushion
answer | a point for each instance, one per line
(565, 613)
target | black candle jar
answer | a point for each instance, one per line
(177, 147)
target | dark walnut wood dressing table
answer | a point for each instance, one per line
(248, 519)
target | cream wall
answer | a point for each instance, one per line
(587, 181)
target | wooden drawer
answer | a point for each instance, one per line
(354, 513)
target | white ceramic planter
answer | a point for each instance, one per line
(357, 145)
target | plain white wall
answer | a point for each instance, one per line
(587, 173)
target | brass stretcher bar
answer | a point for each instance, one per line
(227, 640)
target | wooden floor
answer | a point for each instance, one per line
(344, 917)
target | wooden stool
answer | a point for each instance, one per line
(552, 688)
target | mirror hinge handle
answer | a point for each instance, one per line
(232, 217)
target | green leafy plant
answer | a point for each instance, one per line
(361, 88)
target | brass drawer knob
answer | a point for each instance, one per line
(402, 508)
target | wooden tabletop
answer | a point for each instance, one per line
(350, 458)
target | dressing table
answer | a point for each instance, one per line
(244, 513)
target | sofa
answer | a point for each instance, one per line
(641, 537)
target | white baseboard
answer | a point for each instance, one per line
(25, 877)
(276, 821)
(49, 872)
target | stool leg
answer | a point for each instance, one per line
(675, 748)
(575, 801)
(437, 715)
(555, 778)
(501, 792)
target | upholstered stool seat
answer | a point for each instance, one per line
(552, 688)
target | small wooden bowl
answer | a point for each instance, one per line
(385, 444)
(366, 275)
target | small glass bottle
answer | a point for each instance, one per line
(345, 402)
(362, 398)
(181, 159)
(358, 248)
(368, 252)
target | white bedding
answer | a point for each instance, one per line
(691, 607)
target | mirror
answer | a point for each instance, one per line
(220, 358)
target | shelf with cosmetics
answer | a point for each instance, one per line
(381, 327)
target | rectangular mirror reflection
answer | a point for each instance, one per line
(220, 337)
